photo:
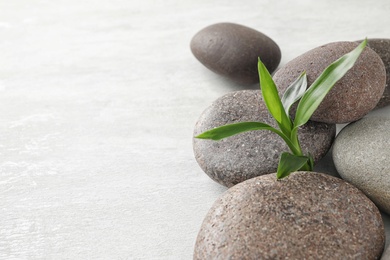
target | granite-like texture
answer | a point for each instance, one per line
(361, 154)
(382, 48)
(247, 155)
(305, 216)
(232, 50)
(353, 96)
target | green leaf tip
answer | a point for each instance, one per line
(289, 163)
(294, 92)
(324, 83)
(222, 132)
(272, 100)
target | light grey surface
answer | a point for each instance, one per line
(386, 254)
(98, 100)
(361, 155)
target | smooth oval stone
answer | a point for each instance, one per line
(382, 48)
(232, 50)
(361, 154)
(304, 216)
(353, 96)
(250, 154)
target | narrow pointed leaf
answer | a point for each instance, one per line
(233, 129)
(222, 132)
(294, 92)
(272, 99)
(324, 83)
(289, 163)
(311, 161)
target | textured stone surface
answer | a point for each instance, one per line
(382, 48)
(356, 94)
(305, 216)
(361, 154)
(232, 50)
(238, 158)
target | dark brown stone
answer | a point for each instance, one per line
(305, 216)
(247, 155)
(355, 95)
(382, 48)
(232, 50)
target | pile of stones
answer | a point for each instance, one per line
(307, 215)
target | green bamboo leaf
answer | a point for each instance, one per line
(294, 92)
(324, 83)
(222, 132)
(272, 99)
(311, 160)
(233, 129)
(289, 163)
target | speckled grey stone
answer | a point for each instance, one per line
(386, 254)
(361, 154)
(305, 216)
(247, 155)
(353, 96)
(382, 48)
(232, 50)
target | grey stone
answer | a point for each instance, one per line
(232, 50)
(386, 254)
(382, 48)
(353, 96)
(361, 154)
(247, 155)
(304, 216)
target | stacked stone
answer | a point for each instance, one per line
(307, 215)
